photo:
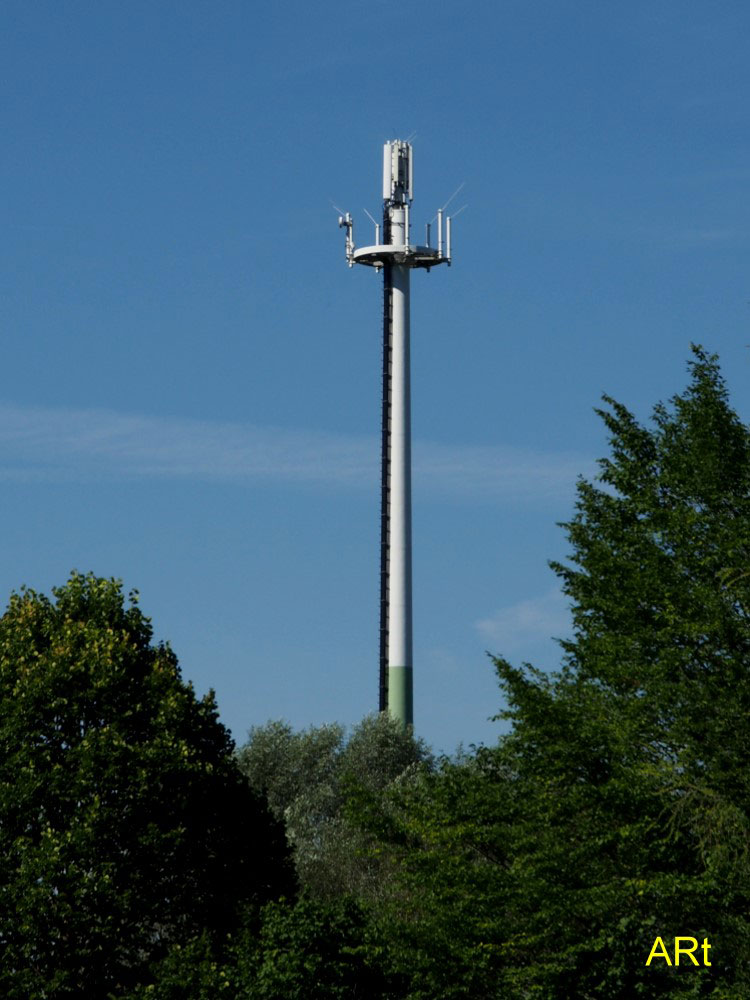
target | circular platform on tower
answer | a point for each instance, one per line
(387, 253)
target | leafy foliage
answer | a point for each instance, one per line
(316, 951)
(618, 808)
(303, 950)
(125, 825)
(306, 777)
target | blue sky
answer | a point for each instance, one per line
(189, 393)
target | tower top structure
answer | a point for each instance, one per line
(398, 187)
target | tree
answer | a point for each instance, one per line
(306, 778)
(125, 824)
(618, 808)
(302, 950)
(442, 917)
(658, 668)
(314, 950)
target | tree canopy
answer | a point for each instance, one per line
(618, 807)
(307, 778)
(125, 825)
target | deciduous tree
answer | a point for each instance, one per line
(125, 824)
(618, 808)
(305, 777)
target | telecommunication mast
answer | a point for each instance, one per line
(396, 255)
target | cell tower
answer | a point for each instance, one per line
(396, 256)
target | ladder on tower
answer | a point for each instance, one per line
(385, 484)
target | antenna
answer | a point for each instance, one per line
(397, 257)
(346, 222)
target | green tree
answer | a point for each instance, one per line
(306, 777)
(125, 824)
(441, 919)
(314, 950)
(303, 950)
(618, 808)
(199, 969)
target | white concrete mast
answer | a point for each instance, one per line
(396, 256)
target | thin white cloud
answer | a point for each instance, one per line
(488, 472)
(695, 237)
(102, 444)
(522, 627)
(708, 236)
(44, 444)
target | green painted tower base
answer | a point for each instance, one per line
(401, 695)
